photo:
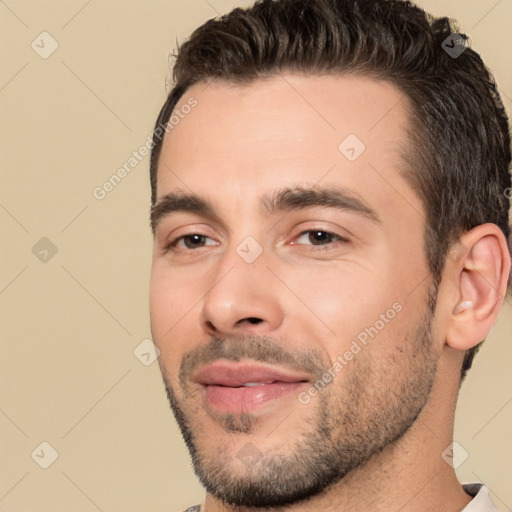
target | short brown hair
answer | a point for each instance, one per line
(459, 153)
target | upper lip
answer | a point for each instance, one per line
(222, 373)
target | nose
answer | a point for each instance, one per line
(243, 297)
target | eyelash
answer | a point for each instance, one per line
(171, 246)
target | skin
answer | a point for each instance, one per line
(244, 142)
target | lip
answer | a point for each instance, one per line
(222, 373)
(223, 385)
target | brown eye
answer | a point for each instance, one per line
(193, 241)
(321, 237)
(190, 241)
(318, 237)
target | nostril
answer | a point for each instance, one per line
(210, 326)
(254, 320)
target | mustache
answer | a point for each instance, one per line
(257, 348)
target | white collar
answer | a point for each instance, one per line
(481, 502)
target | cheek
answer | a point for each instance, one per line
(357, 318)
(172, 292)
(159, 301)
(171, 304)
(346, 297)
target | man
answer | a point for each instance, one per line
(330, 216)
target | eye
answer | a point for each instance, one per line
(319, 237)
(190, 241)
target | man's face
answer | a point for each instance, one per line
(298, 269)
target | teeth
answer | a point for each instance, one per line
(251, 384)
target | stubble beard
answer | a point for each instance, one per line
(345, 426)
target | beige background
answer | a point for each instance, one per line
(68, 374)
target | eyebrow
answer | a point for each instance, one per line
(283, 200)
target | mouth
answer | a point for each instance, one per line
(238, 388)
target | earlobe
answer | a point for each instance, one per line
(480, 279)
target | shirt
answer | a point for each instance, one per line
(481, 501)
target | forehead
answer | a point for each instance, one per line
(289, 130)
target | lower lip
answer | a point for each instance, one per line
(247, 399)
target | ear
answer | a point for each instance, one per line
(479, 284)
